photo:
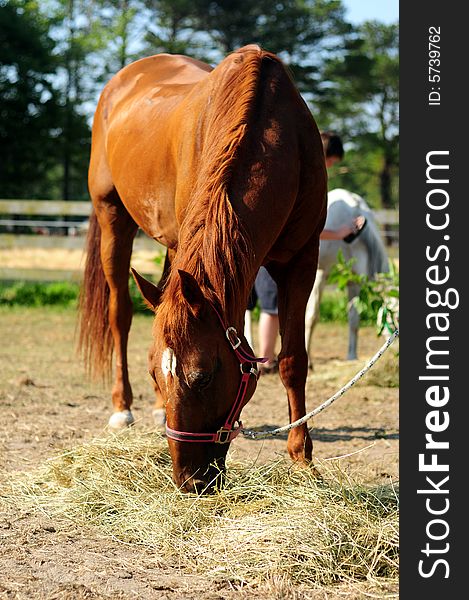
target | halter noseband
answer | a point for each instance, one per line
(228, 431)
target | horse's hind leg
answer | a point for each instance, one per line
(118, 230)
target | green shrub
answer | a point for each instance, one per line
(65, 294)
(378, 296)
(334, 309)
(137, 300)
(38, 294)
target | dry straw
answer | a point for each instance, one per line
(269, 521)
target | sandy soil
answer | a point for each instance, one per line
(47, 405)
(67, 259)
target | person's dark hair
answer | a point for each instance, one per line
(332, 144)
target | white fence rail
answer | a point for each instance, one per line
(45, 219)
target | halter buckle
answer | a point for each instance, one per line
(223, 436)
(235, 342)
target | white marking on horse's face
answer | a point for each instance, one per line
(168, 363)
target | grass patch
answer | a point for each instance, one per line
(59, 294)
(385, 373)
(39, 294)
(65, 294)
(333, 309)
(270, 521)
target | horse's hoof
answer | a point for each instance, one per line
(121, 420)
(159, 417)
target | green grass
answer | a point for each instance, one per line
(38, 294)
(334, 309)
(65, 294)
(59, 294)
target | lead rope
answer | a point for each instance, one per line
(249, 433)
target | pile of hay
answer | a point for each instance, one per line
(385, 373)
(269, 521)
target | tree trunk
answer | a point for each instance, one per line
(124, 33)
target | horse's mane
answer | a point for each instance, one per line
(213, 245)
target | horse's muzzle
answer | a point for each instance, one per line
(201, 481)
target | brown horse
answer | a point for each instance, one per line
(224, 167)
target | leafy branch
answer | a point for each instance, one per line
(380, 294)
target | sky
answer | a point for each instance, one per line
(386, 11)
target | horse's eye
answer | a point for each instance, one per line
(200, 379)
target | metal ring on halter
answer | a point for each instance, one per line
(234, 344)
(252, 369)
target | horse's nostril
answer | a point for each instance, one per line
(198, 486)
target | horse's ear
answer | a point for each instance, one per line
(191, 291)
(150, 292)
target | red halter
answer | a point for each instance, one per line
(228, 432)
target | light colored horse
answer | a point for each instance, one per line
(367, 249)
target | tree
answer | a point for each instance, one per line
(301, 32)
(77, 35)
(117, 25)
(172, 28)
(360, 97)
(29, 107)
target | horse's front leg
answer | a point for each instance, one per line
(294, 287)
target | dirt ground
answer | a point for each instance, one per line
(66, 259)
(48, 405)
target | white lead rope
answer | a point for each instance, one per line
(264, 434)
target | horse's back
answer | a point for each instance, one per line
(149, 81)
(368, 250)
(137, 101)
(343, 205)
(163, 121)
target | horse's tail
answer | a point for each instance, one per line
(95, 342)
(378, 259)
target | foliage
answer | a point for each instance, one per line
(38, 294)
(380, 295)
(29, 106)
(116, 27)
(57, 54)
(173, 29)
(361, 98)
(59, 294)
(63, 294)
(78, 37)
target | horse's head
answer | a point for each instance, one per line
(198, 373)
